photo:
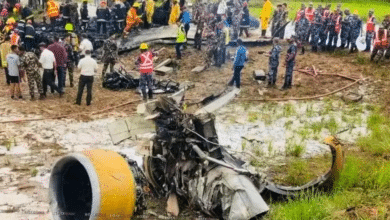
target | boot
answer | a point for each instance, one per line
(144, 95)
(342, 46)
(41, 97)
(32, 98)
(150, 94)
(303, 51)
(71, 84)
(263, 32)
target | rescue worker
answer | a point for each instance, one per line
(316, 28)
(264, 16)
(110, 53)
(334, 30)
(70, 59)
(66, 12)
(309, 14)
(239, 61)
(149, 11)
(236, 20)
(15, 38)
(181, 39)
(132, 19)
(370, 30)
(245, 20)
(5, 49)
(103, 16)
(10, 25)
(21, 27)
(119, 12)
(303, 30)
(283, 18)
(186, 19)
(30, 64)
(200, 23)
(381, 43)
(30, 36)
(84, 15)
(290, 63)
(146, 68)
(74, 15)
(53, 11)
(273, 63)
(356, 29)
(345, 34)
(386, 22)
(175, 13)
(276, 19)
(324, 29)
(298, 16)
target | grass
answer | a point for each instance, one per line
(381, 8)
(331, 125)
(289, 110)
(34, 172)
(253, 116)
(378, 142)
(295, 150)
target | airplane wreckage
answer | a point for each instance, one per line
(185, 163)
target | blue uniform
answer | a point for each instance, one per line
(346, 31)
(317, 26)
(356, 25)
(273, 64)
(303, 29)
(290, 63)
(239, 61)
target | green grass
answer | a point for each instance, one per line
(381, 8)
(253, 116)
(378, 142)
(289, 110)
(34, 172)
(331, 125)
(295, 150)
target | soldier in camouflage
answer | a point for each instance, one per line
(274, 62)
(110, 52)
(290, 63)
(236, 21)
(316, 28)
(71, 58)
(386, 22)
(30, 64)
(276, 20)
(346, 30)
(356, 29)
(303, 30)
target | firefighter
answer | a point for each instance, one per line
(9, 25)
(146, 68)
(132, 19)
(175, 13)
(103, 15)
(149, 11)
(65, 11)
(84, 15)
(380, 43)
(74, 42)
(30, 36)
(53, 11)
(21, 26)
(119, 16)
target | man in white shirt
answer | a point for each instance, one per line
(48, 63)
(88, 68)
(85, 45)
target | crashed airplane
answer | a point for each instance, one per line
(185, 162)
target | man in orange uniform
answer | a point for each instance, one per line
(132, 19)
(370, 30)
(380, 42)
(309, 14)
(53, 11)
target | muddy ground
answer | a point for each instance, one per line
(29, 149)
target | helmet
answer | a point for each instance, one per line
(69, 27)
(355, 12)
(17, 5)
(15, 10)
(11, 21)
(103, 3)
(245, 4)
(143, 46)
(136, 5)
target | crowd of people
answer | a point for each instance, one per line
(219, 24)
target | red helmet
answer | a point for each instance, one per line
(245, 4)
(17, 5)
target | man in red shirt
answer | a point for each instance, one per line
(61, 58)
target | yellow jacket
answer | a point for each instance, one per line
(267, 8)
(175, 13)
(5, 49)
(149, 10)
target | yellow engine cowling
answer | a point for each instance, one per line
(94, 185)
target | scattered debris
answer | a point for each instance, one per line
(173, 205)
(352, 97)
(164, 63)
(198, 69)
(259, 75)
(163, 70)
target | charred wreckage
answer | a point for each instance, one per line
(185, 163)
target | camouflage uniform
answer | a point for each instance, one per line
(303, 28)
(276, 22)
(316, 28)
(324, 29)
(356, 28)
(333, 34)
(236, 21)
(29, 63)
(273, 64)
(210, 36)
(386, 24)
(345, 31)
(290, 63)
(69, 63)
(110, 51)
